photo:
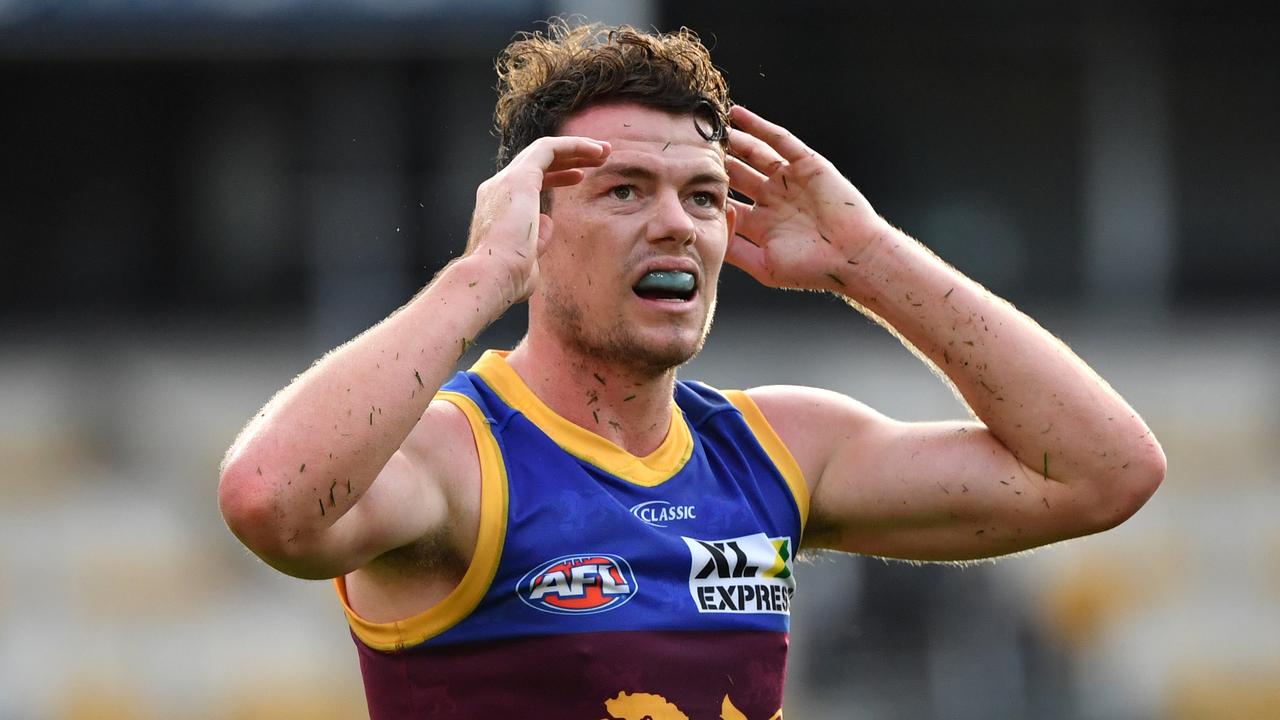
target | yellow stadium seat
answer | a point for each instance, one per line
(1215, 693)
(296, 698)
(100, 699)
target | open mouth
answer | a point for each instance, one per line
(667, 285)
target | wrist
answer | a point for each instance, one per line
(480, 281)
(897, 273)
(868, 261)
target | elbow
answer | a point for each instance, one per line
(248, 508)
(1131, 487)
(1146, 474)
(257, 517)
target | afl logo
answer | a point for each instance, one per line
(578, 584)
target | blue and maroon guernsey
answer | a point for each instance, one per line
(605, 585)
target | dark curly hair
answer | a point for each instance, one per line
(543, 78)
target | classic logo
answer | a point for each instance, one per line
(748, 574)
(659, 512)
(578, 584)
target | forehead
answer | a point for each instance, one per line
(636, 130)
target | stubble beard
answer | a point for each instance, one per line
(618, 344)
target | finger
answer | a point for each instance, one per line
(744, 178)
(779, 138)
(575, 159)
(557, 153)
(562, 178)
(754, 152)
(563, 152)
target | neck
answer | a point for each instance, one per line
(622, 404)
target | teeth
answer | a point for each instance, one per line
(674, 282)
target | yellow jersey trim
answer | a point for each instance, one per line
(651, 470)
(463, 599)
(774, 447)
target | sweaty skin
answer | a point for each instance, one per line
(658, 203)
(1056, 452)
(352, 470)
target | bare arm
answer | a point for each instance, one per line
(329, 474)
(1057, 453)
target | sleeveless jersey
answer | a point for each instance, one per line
(605, 585)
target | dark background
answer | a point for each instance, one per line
(160, 165)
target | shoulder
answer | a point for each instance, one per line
(443, 440)
(815, 424)
(439, 474)
(444, 446)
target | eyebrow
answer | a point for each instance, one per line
(639, 172)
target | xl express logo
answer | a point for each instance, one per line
(660, 512)
(748, 574)
(578, 584)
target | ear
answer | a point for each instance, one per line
(546, 226)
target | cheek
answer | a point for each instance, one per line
(576, 262)
(713, 245)
(567, 237)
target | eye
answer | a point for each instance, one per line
(705, 199)
(623, 192)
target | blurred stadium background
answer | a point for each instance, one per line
(198, 198)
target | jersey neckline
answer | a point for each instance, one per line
(651, 470)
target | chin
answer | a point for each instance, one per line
(646, 356)
(647, 348)
(663, 349)
(648, 352)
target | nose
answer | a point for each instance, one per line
(670, 221)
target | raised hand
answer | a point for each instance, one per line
(508, 224)
(808, 227)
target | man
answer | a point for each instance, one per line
(549, 534)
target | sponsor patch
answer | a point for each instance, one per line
(578, 584)
(748, 574)
(660, 512)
